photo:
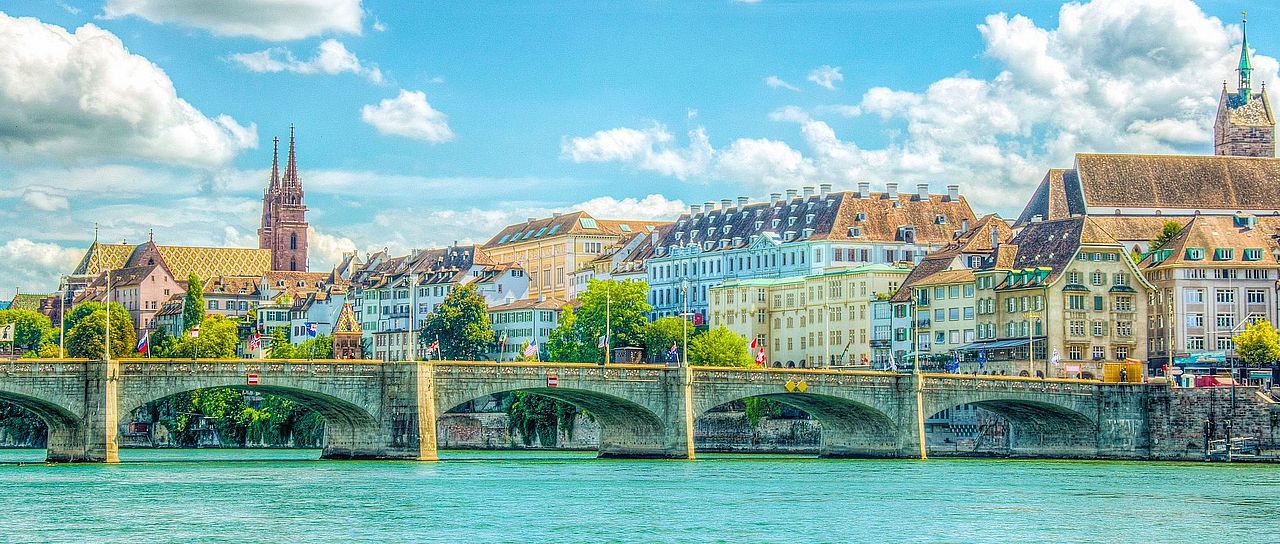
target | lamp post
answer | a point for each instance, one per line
(684, 349)
(608, 339)
(62, 316)
(826, 334)
(1031, 342)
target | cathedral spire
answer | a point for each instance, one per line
(291, 167)
(275, 163)
(1245, 69)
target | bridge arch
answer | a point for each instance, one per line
(1045, 418)
(850, 428)
(630, 403)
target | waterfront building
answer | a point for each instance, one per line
(1063, 297)
(881, 343)
(815, 321)
(550, 248)
(622, 261)
(1215, 277)
(522, 322)
(347, 336)
(935, 307)
(805, 233)
(231, 296)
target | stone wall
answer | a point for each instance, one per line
(1182, 420)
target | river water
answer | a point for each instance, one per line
(286, 495)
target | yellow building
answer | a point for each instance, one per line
(821, 320)
(551, 248)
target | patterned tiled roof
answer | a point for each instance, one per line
(204, 262)
(347, 322)
(1256, 112)
(100, 257)
(26, 301)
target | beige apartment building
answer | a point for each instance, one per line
(551, 248)
(814, 321)
(1060, 299)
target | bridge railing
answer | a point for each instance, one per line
(933, 381)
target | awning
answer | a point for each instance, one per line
(995, 344)
(1121, 289)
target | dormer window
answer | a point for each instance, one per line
(806, 233)
(1253, 254)
(725, 229)
(940, 219)
(860, 216)
(855, 232)
(693, 235)
(907, 234)
(1223, 254)
(707, 245)
(776, 221)
(793, 207)
(1195, 254)
(679, 235)
(808, 219)
(791, 221)
(759, 224)
(724, 243)
(680, 224)
(728, 216)
(809, 206)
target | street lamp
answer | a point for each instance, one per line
(62, 316)
(1031, 342)
(684, 350)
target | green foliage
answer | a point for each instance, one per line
(535, 415)
(1170, 229)
(192, 303)
(569, 343)
(761, 407)
(623, 304)
(719, 347)
(1258, 344)
(239, 420)
(80, 311)
(31, 328)
(22, 427)
(88, 335)
(162, 343)
(461, 323)
(280, 348)
(659, 335)
(217, 340)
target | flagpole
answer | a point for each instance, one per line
(608, 299)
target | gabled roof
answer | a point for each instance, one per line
(532, 304)
(572, 223)
(100, 257)
(347, 322)
(181, 261)
(26, 301)
(1057, 197)
(1208, 235)
(232, 285)
(1051, 245)
(1179, 181)
(974, 242)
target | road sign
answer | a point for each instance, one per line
(801, 386)
(790, 385)
(251, 379)
(553, 381)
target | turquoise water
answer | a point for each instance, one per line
(284, 495)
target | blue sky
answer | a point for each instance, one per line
(425, 122)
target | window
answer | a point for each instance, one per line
(1011, 304)
(1225, 296)
(968, 313)
(1099, 353)
(1226, 343)
(1256, 296)
(1122, 353)
(1099, 328)
(1075, 302)
(1225, 321)
(1076, 328)
(1193, 296)
(1195, 343)
(213, 305)
(953, 314)
(1097, 278)
(968, 290)
(953, 291)
(1124, 303)
(1195, 254)
(1120, 278)
(1073, 277)
(1075, 353)
(1098, 304)
(1223, 254)
(1124, 329)
(1195, 319)
(1253, 254)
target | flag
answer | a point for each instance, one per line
(312, 329)
(6, 332)
(255, 342)
(532, 349)
(602, 343)
(673, 348)
(195, 332)
(502, 342)
(435, 346)
(760, 357)
(755, 343)
(143, 343)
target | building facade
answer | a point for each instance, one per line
(284, 226)
(523, 322)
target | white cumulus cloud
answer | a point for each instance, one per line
(331, 58)
(44, 200)
(826, 76)
(271, 20)
(34, 267)
(775, 82)
(77, 97)
(408, 115)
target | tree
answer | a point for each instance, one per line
(218, 339)
(87, 337)
(280, 348)
(719, 347)
(659, 335)
(162, 343)
(622, 304)
(568, 344)
(461, 323)
(31, 328)
(1170, 229)
(1258, 344)
(80, 311)
(192, 303)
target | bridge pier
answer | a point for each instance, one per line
(672, 439)
(403, 424)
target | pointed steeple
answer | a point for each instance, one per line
(275, 163)
(1245, 69)
(291, 167)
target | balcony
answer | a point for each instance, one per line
(881, 343)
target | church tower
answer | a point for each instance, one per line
(1245, 126)
(284, 216)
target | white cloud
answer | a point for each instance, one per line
(271, 20)
(826, 76)
(331, 58)
(646, 149)
(44, 201)
(34, 267)
(325, 250)
(408, 115)
(1121, 77)
(652, 207)
(775, 82)
(82, 97)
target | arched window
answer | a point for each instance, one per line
(293, 240)
(293, 265)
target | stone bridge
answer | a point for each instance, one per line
(376, 410)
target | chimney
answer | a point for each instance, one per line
(742, 201)
(808, 191)
(791, 193)
(726, 203)
(1036, 218)
(922, 191)
(774, 197)
(964, 226)
(864, 189)
(823, 189)
(555, 214)
(953, 193)
(694, 209)
(708, 206)
(892, 190)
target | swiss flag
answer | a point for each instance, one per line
(760, 357)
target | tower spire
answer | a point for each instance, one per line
(275, 163)
(291, 167)
(1245, 69)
